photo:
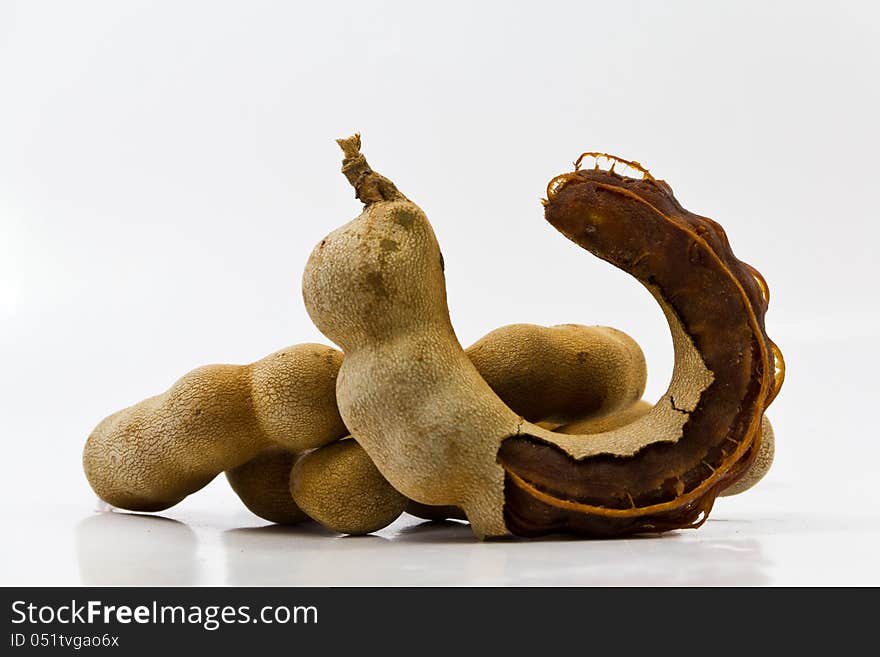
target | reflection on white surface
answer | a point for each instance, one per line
(135, 550)
(120, 548)
(428, 553)
(744, 543)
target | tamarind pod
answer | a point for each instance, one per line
(594, 422)
(586, 425)
(263, 484)
(266, 484)
(438, 433)
(561, 372)
(151, 455)
(339, 486)
(642, 481)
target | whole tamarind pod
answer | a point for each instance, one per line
(151, 455)
(557, 372)
(440, 435)
(340, 487)
(641, 479)
(263, 484)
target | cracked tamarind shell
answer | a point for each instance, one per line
(715, 305)
(619, 418)
(440, 435)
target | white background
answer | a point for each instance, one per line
(166, 168)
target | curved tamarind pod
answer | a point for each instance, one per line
(339, 486)
(151, 455)
(726, 372)
(263, 484)
(438, 433)
(561, 372)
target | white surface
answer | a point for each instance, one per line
(165, 169)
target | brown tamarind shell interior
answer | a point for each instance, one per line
(686, 260)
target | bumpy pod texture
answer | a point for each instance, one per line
(145, 457)
(562, 372)
(593, 373)
(438, 433)
(151, 455)
(339, 486)
(263, 484)
(544, 373)
(257, 418)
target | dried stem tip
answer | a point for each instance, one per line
(369, 186)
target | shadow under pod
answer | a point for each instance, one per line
(436, 532)
(129, 549)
